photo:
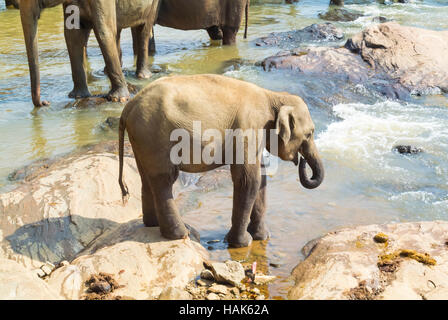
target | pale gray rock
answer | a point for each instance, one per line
(230, 272)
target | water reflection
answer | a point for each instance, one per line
(39, 141)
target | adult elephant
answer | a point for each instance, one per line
(217, 108)
(106, 18)
(221, 18)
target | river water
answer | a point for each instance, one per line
(366, 182)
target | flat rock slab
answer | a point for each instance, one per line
(392, 59)
(350, 264)
(292, 39)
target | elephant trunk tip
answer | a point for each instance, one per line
(318, 174)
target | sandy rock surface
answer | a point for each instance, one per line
(350, 264)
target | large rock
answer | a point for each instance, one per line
(415, 57)
(71, 209)
(65, 207)
(404, 261)
(392, 59)
(141, 261)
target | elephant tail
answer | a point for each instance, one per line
(121, 130)
(247, 18)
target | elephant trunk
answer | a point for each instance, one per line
(29, 14)
(314, 161)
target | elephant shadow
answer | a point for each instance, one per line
(66, 238)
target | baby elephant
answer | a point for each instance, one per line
(191, 107)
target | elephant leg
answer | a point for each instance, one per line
(152, 45)
(148, 205)
(120, 53)
(215, 33)
(143, 34)
(257, 226)
(229, 35)
(246, 184)
(76, 41)
(106, 35)
(170, 222)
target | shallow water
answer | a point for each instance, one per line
(356, 129)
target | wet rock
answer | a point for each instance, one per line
(218, 289)
(172, 293)
(263, 279)
(381, 238)
(322, 61)
(207, 275)
(292, 39)
(111, 123)
(340, 14)
(339, 268)
(406, 149)
(231, 272)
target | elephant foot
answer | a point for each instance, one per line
(175, 233)
(150, 220)
(118, 95)
(144, 74)
(259, 233)
(238, 240)
(79, 94)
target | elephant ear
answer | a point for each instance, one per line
(283, 123)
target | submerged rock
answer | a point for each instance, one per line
(406, 149)
(350, 264)
(340, 14)
(313, 33)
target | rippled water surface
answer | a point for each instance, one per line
(356, 129)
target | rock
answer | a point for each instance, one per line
(263, 279)
(18, 283)
(230, 272)
(100, 287)
(292, 39)
(207, 275)
(255, 291)
(394, 60)
(40, 273)
(340, 14)
(381, 238)
(402, 149)
(47, 270)
(338, 62)
(349, 264)
(202, 283)
(415, 57)
(172, 293)
(63, 263)
(151, 263)
(260, 297)
(111, 123)
(218, 288)
(66, 206)
(212, 296)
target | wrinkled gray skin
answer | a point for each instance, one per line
(106, 18)
(219, 103)
(221, 18)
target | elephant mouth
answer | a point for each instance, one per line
(296, 160)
